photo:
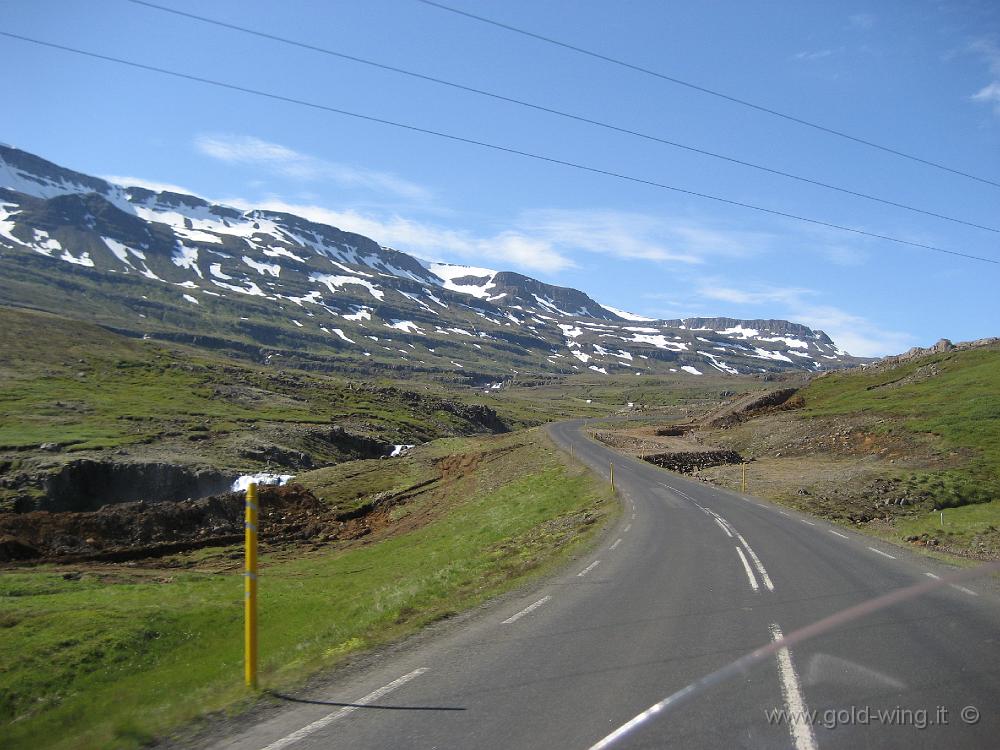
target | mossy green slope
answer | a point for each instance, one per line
(952, 398)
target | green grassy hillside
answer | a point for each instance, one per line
(952, 399)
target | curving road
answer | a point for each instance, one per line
(691, 578)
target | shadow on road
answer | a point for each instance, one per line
(294, 699)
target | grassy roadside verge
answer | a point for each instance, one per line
(122, 654)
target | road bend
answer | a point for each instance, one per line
(690, 578)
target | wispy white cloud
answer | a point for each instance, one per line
(762, 295)
(282, 160)
(844, 255)
(854, 333)
(990, 94)
(851, 332)
(638, 236)
(539, 240)
(507, 248)
(159, 187)
(989, 51)
(810, 56)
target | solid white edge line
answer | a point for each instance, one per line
(756, 561)
(783, 513)
(617, 542)
(931, 575)
(842, 536)
(746, 567)
(588, 568)
(800, 729)
(880, 552)
(526, 610)
(723, 527)
(301, 734)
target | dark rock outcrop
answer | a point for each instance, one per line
(688, 462)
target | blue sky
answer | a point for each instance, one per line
(922, 77)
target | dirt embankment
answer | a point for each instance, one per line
(290, 516)
(669, 445)
(125, 531)
(131, 531)
(756, 405)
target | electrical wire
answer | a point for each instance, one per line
(487, 145)
(550, 110)
(710, 92)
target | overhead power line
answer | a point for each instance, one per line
(710, 92)
(487, 145)
(559, 113)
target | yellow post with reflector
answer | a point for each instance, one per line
(250, 590)
(744, 478)
(612, 475)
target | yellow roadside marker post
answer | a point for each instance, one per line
(744, 478)
(250, 590)
(612, 476)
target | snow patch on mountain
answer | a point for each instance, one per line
(187, 257)
(333, 283)
(273, 269)
(407, 326)
(625, 315)
(465, 279)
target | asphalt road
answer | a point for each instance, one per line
(691, 578)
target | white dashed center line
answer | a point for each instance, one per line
(530, 608)
(627, 529)
(617, 542)
(842, 536)
(880, 552)
(589, 568)
(808, 522)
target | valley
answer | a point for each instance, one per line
(420, 432)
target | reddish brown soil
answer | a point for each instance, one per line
(128, 531)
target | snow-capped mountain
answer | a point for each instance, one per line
(266, 284)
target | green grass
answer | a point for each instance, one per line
(953, 399)
(110, 664)
(348, 485)
(972, 527)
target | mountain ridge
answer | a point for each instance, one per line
(272, 284)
